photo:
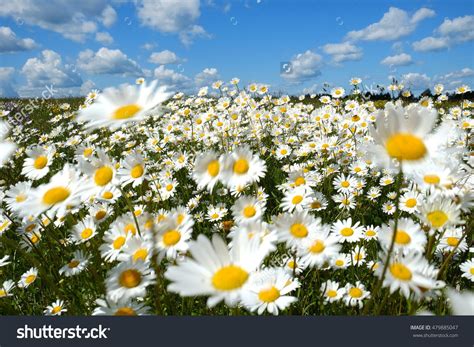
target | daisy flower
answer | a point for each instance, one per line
(114, 240)
(172, 238)
(296, 199)
(406, 272)
(355, 294)
(242, 167)
(129, 280)
(247, 209)
(294, 228)
(344, 184)
(37, 164)
(132, 170)
(76, 265)
(116, 107)
(268, 290)
(207, 170)
(61, 193)
(17, 195)
(468, 269)
(319, 248)
(341, 261)
(331, 291)
(6, 288)
(451, 240)
(55, 309)
(439, 213)
(346, 231)
(83, 231)
(28, 278)
(122, 307)
(409, 202)
(371, 232)
(216, 270)
(409, 236)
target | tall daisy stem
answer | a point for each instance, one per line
(392, 244)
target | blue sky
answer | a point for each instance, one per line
(186, 44)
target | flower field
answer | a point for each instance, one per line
(136, 201)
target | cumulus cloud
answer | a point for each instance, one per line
(402, 59)
(304, 66)
(343, 51)
(49, 69)
(164, 57)
(86, 87)
(394, 24)
(455, 77)
(450, 33)
(9, 42)
(74, 20)
(104, 37)
(108, 61)
(170, 16)
(172, 79)
(206, 77)
(109, 16)
(6, 86)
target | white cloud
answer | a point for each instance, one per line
(108, 61)
(172, 79)
(450, 33)
(455, 77)
(49, 69)
(109, 16)
(164, 57)
(394, 24)
(9, 42)
(206, 77)
(342, 51)
(6, 86)
(416, 81)
(430, 43)
(171, 16)
(402, 59)
(74, 20)
(149, 46)
(304, 66)
(104, 37)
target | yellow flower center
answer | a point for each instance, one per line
(56, 195)
(87, 152)
(130, 228)
(331, 293)
(108, 195)
(472, 270)
(402, 237)
(345, 184)
(127, 111)
(452, 241)
(249, 211)
(73, 264)
(20, 197)
(30, 279)
(100, 214)
(40, 162)
(140, 254)
(296, 199)
(299, 230)
(86, 233)
(370, 233)
(355, 292)
(171, 237)
(347, 232)
(404, 146)
(241, 166)
(229, 278)
(317, 247)
(56, 309)
(315, 204)
(431, 179)
(400, 271)
(130, 278)
(103, 175)
(410, 203)
(137, 171)
(339, 262)
(118, 242)
(213, 168)
(437, 218)
(300, 181)
(269, 295)
(125, 311)
(3, 293)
